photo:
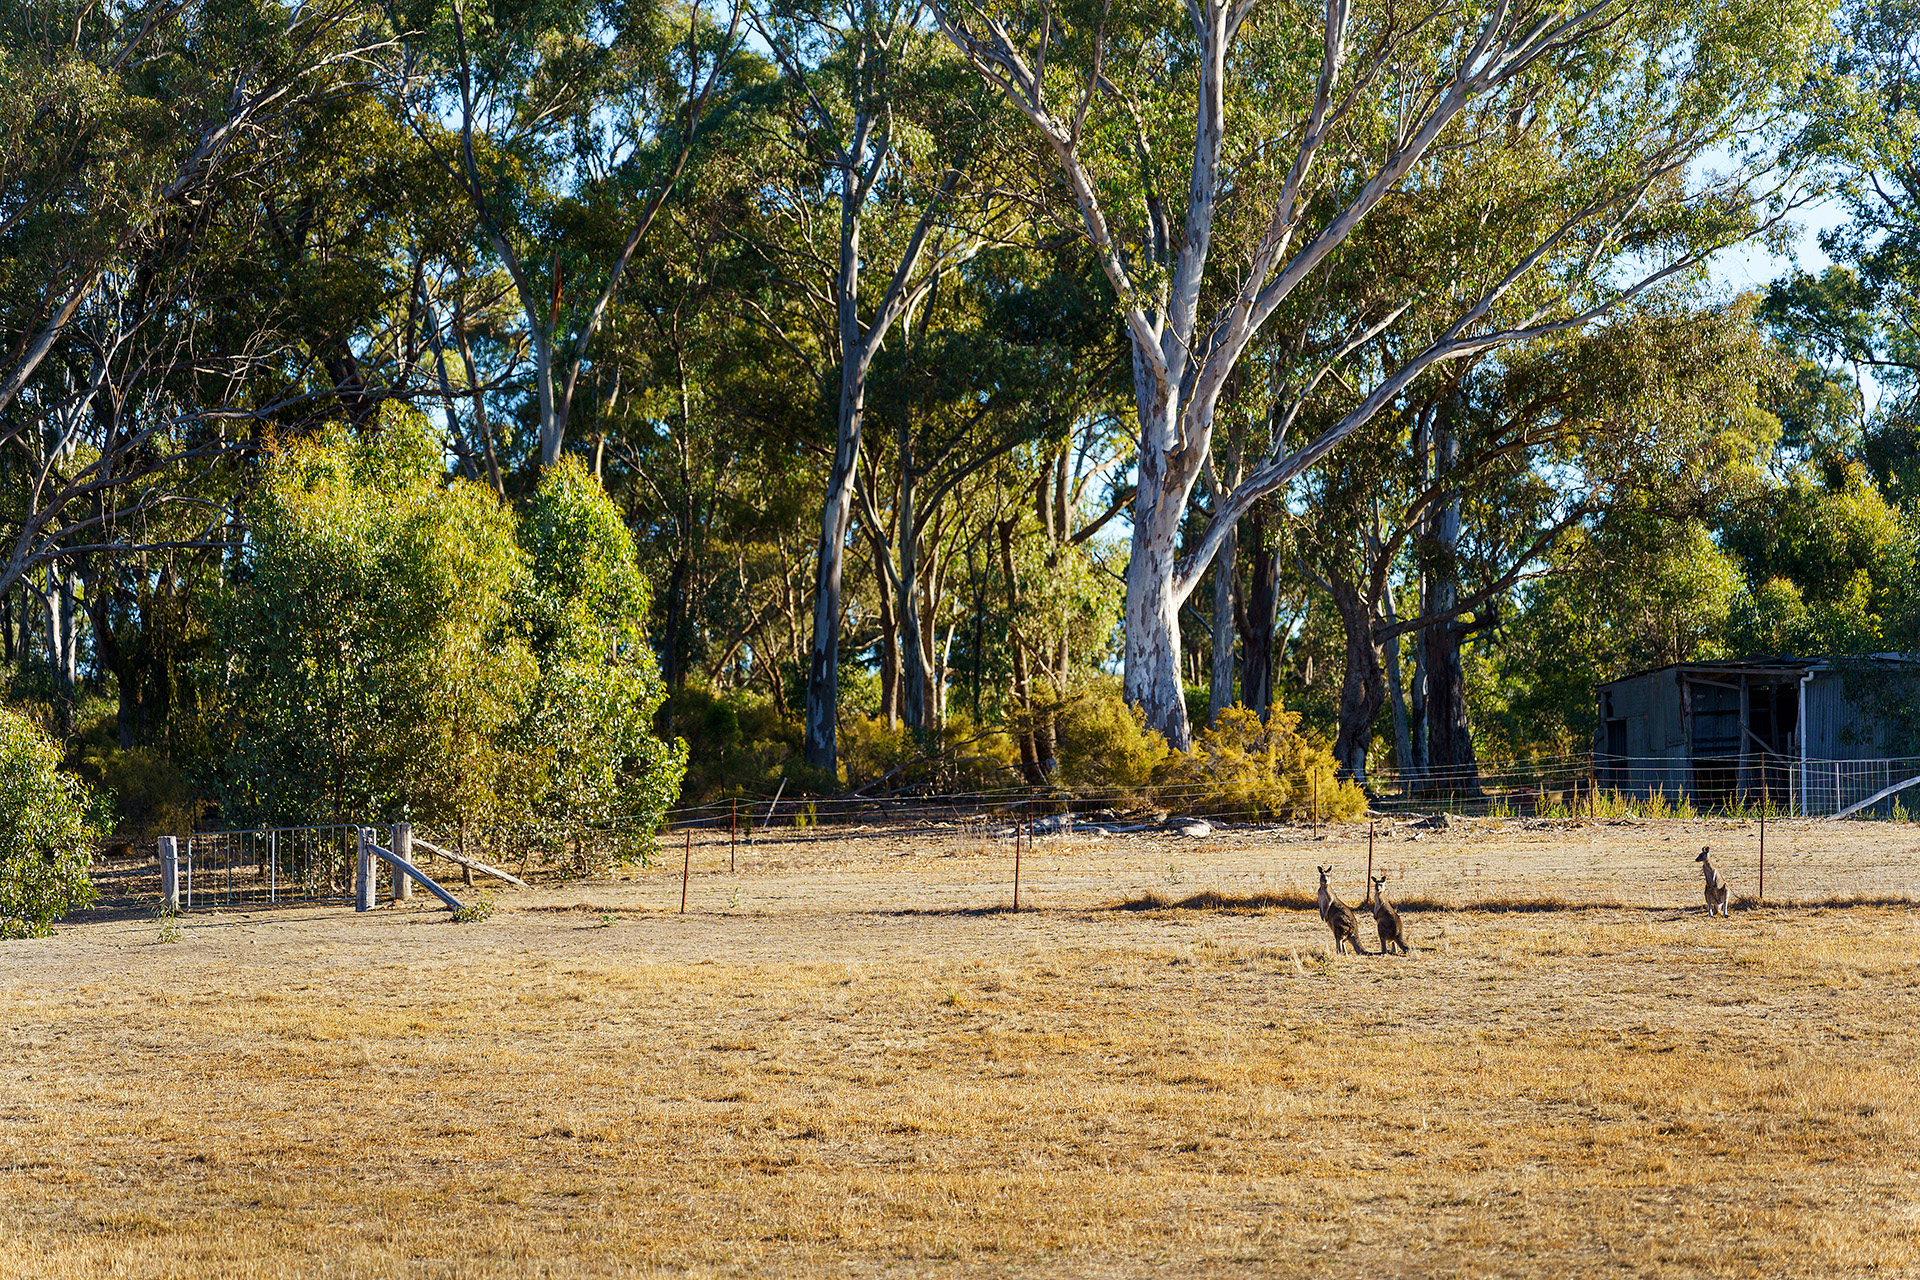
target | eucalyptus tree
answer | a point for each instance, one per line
(1013, 356)
(888, 183)
(1587, 121)
(702, 436)
(1863, 317)
(1470, 486)
(125, 133)
(566, 125)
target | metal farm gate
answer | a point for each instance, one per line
(273, 864)
(269, 865)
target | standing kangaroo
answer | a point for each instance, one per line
(1339, 917)
(1718, 893)
(1385, 919)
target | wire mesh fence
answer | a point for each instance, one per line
(1562, 786)
(268, 865)
(1565, 796)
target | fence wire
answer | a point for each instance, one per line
(270, 865)
(317, 863)
(1550, 787)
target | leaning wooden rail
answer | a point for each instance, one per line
(366, 886)
(1875, 798)
(462, 860)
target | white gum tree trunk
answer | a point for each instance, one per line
(1155, 251)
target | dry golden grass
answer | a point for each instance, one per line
(808, 1079)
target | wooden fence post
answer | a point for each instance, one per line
(1763, 855)
(170, 872)
(686, 869)
(403, 850)
(364, 884)
(1016, 863)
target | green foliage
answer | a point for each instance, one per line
(1243, 767)
(474, 910)
(1775, 619)
(1636, 593)
(954, 757)
(50, 823)
(587, 726)
(739, 746)
(370, 653)
(1105, 747)
(395, 650)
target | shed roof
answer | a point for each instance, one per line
(1776, 665)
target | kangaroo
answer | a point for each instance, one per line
(1385, 919)
(1718, 894)
(1339, 917)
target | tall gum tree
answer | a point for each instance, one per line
(566, 125)
(125, 132)
(1337, 111)
(883, 126)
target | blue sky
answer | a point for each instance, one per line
(1750, 266)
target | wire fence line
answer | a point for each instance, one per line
(316, 864)
(1571, 785)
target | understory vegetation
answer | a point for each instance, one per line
(522, 420)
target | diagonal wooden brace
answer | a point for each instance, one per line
(425, 881)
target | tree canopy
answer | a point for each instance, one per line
(529, 416)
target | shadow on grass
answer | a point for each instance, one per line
(1213, 900)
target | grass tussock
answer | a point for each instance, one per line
(1213, 900)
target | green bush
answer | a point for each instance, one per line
(735, 747)
(1241, 766)
(587, 726)
(1105, 748)
(50, 823)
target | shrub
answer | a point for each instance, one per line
(1242, 766)
(587, 729)
(736, 746)
(873, 751)
(1105, 746)
(50, 823)
(369, 658)
(955, 757)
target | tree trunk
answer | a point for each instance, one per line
(916, 708)
(1167, 472)
(124, 665)
(1402, 736)
(673, 664)
(1221, 694)
(1450, 759)
(890, 656)
(1363, 686)
(823, 673)
(1034, 755)
(1262, 615)
(1450, 763)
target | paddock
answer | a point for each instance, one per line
(848, 1056)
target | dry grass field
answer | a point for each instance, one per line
(843, 1060)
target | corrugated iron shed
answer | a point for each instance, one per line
(1781, 730)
